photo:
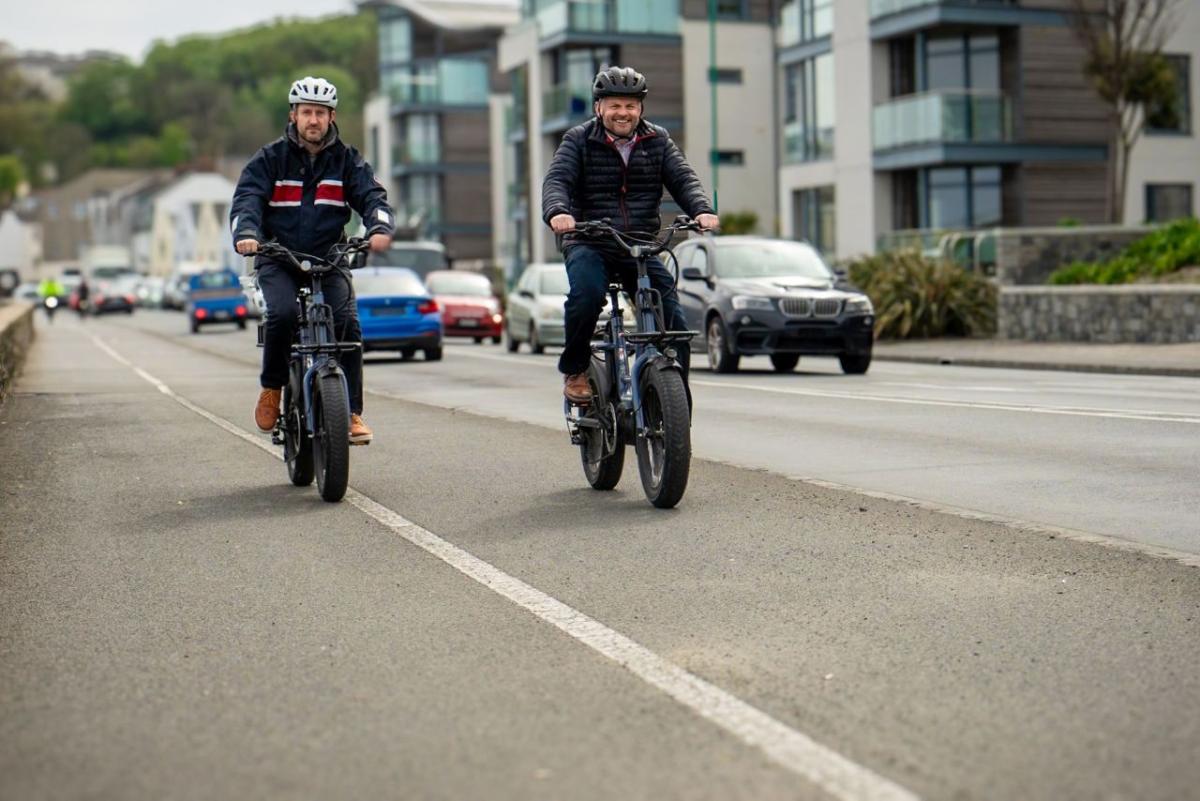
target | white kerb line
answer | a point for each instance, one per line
(787, 747)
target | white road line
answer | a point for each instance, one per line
(789, 748)
(1073, 411)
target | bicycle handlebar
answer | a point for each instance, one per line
(308, 263)
(650, 245)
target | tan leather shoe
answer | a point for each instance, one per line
(360, 434)
(576, 388)
(266, 411)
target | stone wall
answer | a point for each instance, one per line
(1152, 313)
(16, 332)
(1027, 256)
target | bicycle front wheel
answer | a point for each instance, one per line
(331, 440)
(664, 446)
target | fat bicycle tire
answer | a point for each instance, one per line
(331, 440)
(297, 446)
(665, 451)
(602, 472)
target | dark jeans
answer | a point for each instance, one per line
(280, 287)
(588, 270)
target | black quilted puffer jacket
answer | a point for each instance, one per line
(589, 180)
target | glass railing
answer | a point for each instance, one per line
(572, 101)
(882, 8)
(449, 81)
(417, 153)
(806, 143)
(804, 20)
(609, 16)
(951, 116)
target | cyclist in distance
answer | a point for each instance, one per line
(299, 191)
(615, 166)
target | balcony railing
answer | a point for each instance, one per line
(883, 8)
(943, 117)
(566, 100)
(417, 153)
(609, 16)
(449, 81)
(804, 20)
(806, 143)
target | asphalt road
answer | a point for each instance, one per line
(177, 621)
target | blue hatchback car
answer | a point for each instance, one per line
(397, 312)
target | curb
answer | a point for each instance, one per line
(16, 332)
(1017, 364)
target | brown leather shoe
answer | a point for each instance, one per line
(576, 388)
(266, 411)
(359, 433)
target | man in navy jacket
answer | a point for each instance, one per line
(299, 191)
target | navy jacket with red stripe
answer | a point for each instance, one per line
(302, 200)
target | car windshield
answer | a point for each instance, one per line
(554, 282)
(768, 259)
(405, 283)
(214, 281)
(477, 285)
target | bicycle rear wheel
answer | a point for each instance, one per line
(603, 449)
(331, 438)
(665, 448)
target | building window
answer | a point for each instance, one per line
(422, 200)
(395, 37)
(815, 219)
(962, 61)
(804, 20)
(731, 9)
(1165, 202)
(809, 110)
(962, 197)
(729, 158)
(724, 75)
(421, 143)
(1176, 117)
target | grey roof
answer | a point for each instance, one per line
(459, 15)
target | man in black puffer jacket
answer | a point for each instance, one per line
(615, 165)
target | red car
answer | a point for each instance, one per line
(469, 307)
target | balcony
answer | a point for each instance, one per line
(806, 143)
(950, 117)
(416, 154)
(446, 82)
(607, 17)
(899, 17)
(565, 105)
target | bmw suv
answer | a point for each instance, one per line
(752, 296)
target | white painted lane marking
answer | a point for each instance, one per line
(1072, 411)
(789, 748)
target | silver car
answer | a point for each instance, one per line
(535, 308)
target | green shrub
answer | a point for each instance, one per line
(918, 297)
(1158, 253)
(734, 223)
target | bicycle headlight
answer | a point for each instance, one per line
(861, 305)
(750, 302)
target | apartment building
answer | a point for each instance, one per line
(952, 114)
(428, 129)
(551, 57)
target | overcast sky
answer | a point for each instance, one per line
(131, 26)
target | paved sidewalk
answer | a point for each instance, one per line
(1175, 360)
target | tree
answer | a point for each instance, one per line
(1122, 42)
(12, 175)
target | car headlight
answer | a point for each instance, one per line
(747, 302)
(548, 311)
(859, 306)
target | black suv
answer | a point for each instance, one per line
(753, 295)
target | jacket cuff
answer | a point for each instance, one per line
(552, 212)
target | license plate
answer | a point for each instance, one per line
(468, 322)
(389, 311)
(222, 315)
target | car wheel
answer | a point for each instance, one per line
(510, 341)
(433, 354)
(535, 344)
(785, 362)
(720, 359)
(195, 327)
(495, 340)
(408, 353)
(478, 340)
(855, 363)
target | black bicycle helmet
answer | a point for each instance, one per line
(619, 82)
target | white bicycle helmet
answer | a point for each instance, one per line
(317, 91)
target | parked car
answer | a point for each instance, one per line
(469, 307)
(114, 295)
(397, 312)
(420, 256)
(215, 296)
(150, 291)
(175, 291)
(752, 295)
(255, 304)
(27, 291)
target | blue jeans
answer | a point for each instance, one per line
(280, 287)
(588, 271)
